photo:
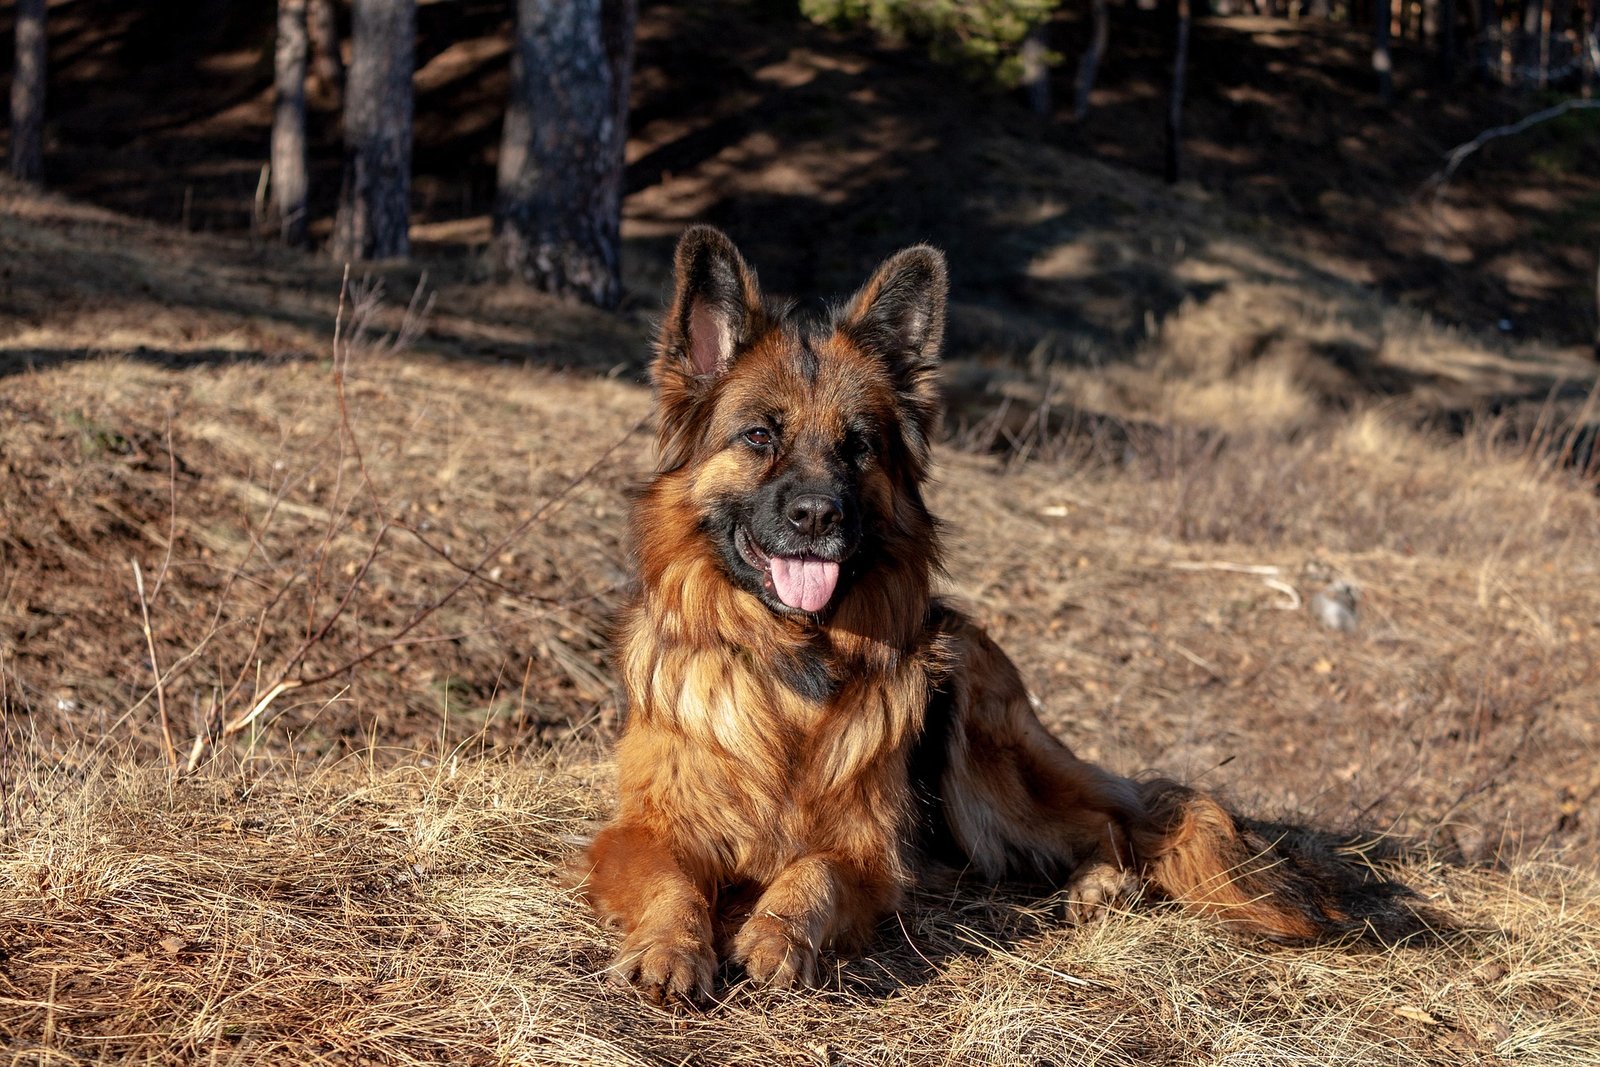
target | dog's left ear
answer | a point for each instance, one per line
(898, 316)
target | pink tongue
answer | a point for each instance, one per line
(806, 584)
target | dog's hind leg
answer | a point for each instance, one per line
(1016, 801)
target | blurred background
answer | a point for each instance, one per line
(826, 132)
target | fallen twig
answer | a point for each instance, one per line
(155, 668)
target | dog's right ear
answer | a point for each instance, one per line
(716, 308)
(715, 312)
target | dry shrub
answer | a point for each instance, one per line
(268, 532)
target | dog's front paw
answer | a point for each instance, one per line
(775, 952)
(673, 968)
(1096, 887)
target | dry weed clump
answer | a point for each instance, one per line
(372, 536)
(351, 912)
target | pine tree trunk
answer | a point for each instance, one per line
(1036, 69)
(327, 65)
(1532, 36)
(1586, 65)
(1089, 62)
(1448, 16)
(374, 202)
(27, 92)
(558, 204)
(1486, 46)
(1180, 72)
(1382, 65)
(619, 19)
(289, 181)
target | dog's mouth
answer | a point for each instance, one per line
(804, 583)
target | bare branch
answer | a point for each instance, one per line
(1459, 154)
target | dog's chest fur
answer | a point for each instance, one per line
(761, 763)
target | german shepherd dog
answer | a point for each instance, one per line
(810, 729)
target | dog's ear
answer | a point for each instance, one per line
(716, 307)
(716, 310)
(898, 316)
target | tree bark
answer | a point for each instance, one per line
(558, 204)
(1585, 54)
(1089, 62)
(1448, 16)
(1486, 43)
(1180, 71)
(1036, 69)
(618, 21)
(1382, 65)
(374, 203)
(27, 92)
(1533, 13)
(289, 181)
(327, 64)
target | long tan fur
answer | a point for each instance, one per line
(784, 774)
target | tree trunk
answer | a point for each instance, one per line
(327, 64)
(1532, 37)
(558, 204)
(374, 202)
(1089, 62)
(618, 20)
(1036, 69)
(1180, 71)
(1585, 53)
(289, 182)
(1448, 16)
(27, 92)
(1541, 48)
(1486, 44)
(1381, 63)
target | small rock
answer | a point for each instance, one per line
(1335, 606)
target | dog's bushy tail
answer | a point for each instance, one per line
(1278, 881)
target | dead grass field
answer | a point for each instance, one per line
(365, 871)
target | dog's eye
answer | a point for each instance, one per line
(758, 436)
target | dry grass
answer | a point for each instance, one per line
(361, 912)
(368, 875)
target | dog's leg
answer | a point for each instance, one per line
(634, 881)
(815, 901)
(1018, 801)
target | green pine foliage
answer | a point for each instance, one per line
(985, 35)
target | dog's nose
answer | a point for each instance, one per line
(814, 514)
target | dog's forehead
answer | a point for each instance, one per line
(816, 381)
